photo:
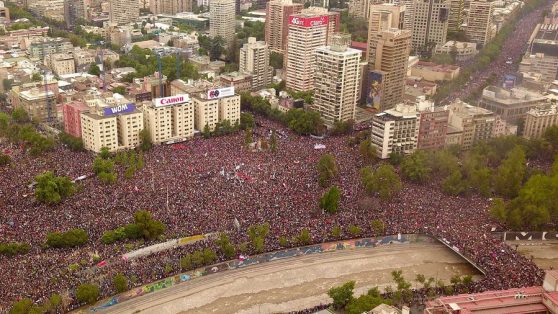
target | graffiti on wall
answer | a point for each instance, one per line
(530, 236)
(254, 260)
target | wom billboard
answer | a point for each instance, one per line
(119, 109)
(374, 89)
(172, 100)
(220, 93)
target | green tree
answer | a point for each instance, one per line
(51, 189)
(304, 122)
(87, 293)
(276, 60)
(355, 230)
(327, 169)
(22, 306)
(247, 121)
(383, 181)
(329, 202)
(120, 283)
(19, 115)
(248, 137)
(206, 131)
(273, 142)
(498, 209)
(304, 237)
(36, 77)
(454, 184)
(104, 153)
(510, 174)
(71, 238)
(150, 228)
(226, 247)
(5, 159)
(415, 166)
(342, 295)
(378, 226)
(367, 151)
(120, 90)
(94, 69)
(145, 140)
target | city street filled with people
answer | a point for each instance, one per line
(202, 186)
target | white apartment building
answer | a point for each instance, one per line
(395, 130)
(306, 33)
(216, 106)
(123, 11)
(463, 50)
(169, 119)
(222, 19)
(479, 22)
(254, 59)
(429, 23)
(277, 22)
(539, 119)
(61, 63)
(336, 80)
(115, 127)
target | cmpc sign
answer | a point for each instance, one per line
(127, 108)
(172, 100)
(220, 93)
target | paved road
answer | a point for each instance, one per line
(300, 282)
(513, 49)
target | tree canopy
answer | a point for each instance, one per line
(51, 189)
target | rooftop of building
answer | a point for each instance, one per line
(149, 44)
(77, 105)
(399, 112)
(547, 33)
(459, 44)
(542, 111)
(512, 96)
(35, 93)
(464, 109)
(446, 68)
(235, 76)
(518, 300)
(346, 52)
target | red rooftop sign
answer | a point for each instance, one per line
(308, 21)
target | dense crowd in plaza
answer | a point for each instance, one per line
(202, 186)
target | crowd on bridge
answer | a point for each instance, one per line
(205, 186)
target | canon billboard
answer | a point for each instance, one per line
(308, 21)
(172, 100)
(220, 93)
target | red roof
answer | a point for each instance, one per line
(358, 45)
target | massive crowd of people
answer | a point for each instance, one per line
(202, 186)
(505, 63)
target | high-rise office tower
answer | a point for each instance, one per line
(222, 19)
(388, 68)
(456, 15)
(361, 8)
(429, 24)
(306, 33)
(170, 6)
(254, 59)
(334, 20)
(336, 80)
(383, 17)
(479, 22)
(277, 23)
(123, 11)
(74, 10)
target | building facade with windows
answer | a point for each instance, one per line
(277, 23)
(395, 131)
(169, 119)
(336, 80)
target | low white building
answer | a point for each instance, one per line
(395, 130)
